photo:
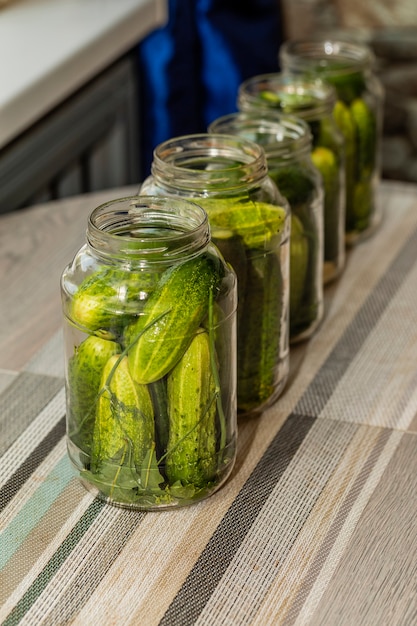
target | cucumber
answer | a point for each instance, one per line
(234, 251)
(348, 85)
(298, 267)
(259, 332)
(294, 184)
(107, 299)
(191, 450)
(326, 162)
(285, 101)
(256, 223)
(85, 370)
(257, 229)
(124, 426)
(365, 124)
(358, 126)
(363, 204)
(171, 316)
(344, 121)
(158, 391)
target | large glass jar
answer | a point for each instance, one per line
(312, 101)
(349, 67)
(150, 341)
(286, 141)
(250, 223)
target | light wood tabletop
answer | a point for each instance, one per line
(317, 524)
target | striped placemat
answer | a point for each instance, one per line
(298, 530)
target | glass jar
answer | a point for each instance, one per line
(250, 223)
(358, 113)
(286, 141)
(313, 102)
(150, 311)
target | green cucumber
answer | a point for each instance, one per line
(259, 331)
(257, 229)
(344, 121)
(365, 124)
(171, 316)
(363, 204)
(298, 267)
(85, 370)
(326, 162)
(234, 251)
(294, 184)
(285, 101)
(348, 85)
(256, 223)
(192, 393)
(158, 391)
(107, 299)
(124, 429)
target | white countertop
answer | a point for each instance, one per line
(49, 48)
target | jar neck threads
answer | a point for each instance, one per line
(147, 229)
(208, 162)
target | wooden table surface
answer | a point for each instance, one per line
(317, 524)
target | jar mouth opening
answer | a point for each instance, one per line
(282, 133)
(307, 98)
(148, 227)
(332, 56)
(208, 161)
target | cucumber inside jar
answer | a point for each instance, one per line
(357, 123)
(327, 163)
(137, 440)
(305, 247)
(250, 235)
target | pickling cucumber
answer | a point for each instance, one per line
(259, 330)
(298, 267)
(363, 204)
(191, 450)
(107, 299)
(293, 182)
(85, 370)
(256, 229)
(285, 101)
(171, 316)
(256, 223)
(124, 427)
(365, 123)
(326, 162)
(344, 121)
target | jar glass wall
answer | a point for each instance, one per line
(250, 223)
(150, 342)
(313, 102)
(287, 143)
(349, 67)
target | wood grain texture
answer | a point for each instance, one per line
(35, 246)
(376, 581)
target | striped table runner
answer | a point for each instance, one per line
(315, 526)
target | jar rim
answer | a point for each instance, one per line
(308, 98)
(148, 228)
(348, 55)
(278, 132)
(231, 162)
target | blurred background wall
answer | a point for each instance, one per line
(185, 74)
(191, 68)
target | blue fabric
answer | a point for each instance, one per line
(190, 69)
